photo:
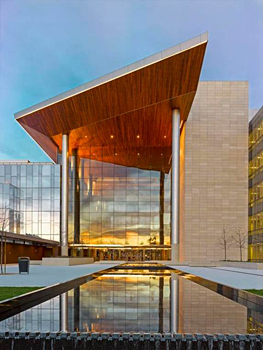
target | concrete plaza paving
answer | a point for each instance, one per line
(42, 276)
(229, 276)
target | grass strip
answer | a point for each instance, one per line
(256, 291)
(11, 292)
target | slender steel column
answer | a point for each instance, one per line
(64, 213)
(75, 190)
(64, 312)
(175, 185)
(161, 214)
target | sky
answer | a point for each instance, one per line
(51, 46)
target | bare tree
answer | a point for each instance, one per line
(4, 223)
(225, 241)
(240, 239)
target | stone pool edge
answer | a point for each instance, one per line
(240, 296)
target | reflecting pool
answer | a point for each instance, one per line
(135, 300)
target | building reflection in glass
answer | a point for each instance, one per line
(34, 191)
(120, 207)
(10, 214)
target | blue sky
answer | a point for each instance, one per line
(48, 47)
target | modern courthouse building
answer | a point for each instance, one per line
(148, 163)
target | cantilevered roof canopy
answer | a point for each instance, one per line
(130, 107)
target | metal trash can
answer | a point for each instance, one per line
(23, 264)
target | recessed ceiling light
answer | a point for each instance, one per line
(116, 154)
(138, 154)
(165, 137)
(161, 154)
(86, 136)
(138, 136)
(111, 136)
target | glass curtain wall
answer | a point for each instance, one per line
(11, 219)
(255, 200)
(119, 206)
(39, 188)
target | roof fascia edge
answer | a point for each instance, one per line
(172, 51)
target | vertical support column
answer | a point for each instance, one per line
(175, 185)
(76, 195)
(64, 213)
(161, 215)
(64, 312)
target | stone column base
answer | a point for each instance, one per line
(64, 250)
(174, 253)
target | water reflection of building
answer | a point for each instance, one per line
(41, 318)
(204, 311)
(122, 303)
(255, 322)
(138, 303)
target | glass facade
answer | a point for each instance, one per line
(36, 188)
(10, 214)
(256, 133)
(255, 206)
(115, 212)
(255, 165)
(118, 212)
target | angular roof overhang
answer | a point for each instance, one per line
(125, 113)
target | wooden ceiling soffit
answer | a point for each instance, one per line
(147, 158)
(149, 126)
(164, 80)
(47, 144)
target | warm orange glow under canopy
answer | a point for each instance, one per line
(130, 108)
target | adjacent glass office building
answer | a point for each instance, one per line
(255, 230)
(11, 218)
(30, 193)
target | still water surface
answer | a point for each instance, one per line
(138, 301)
